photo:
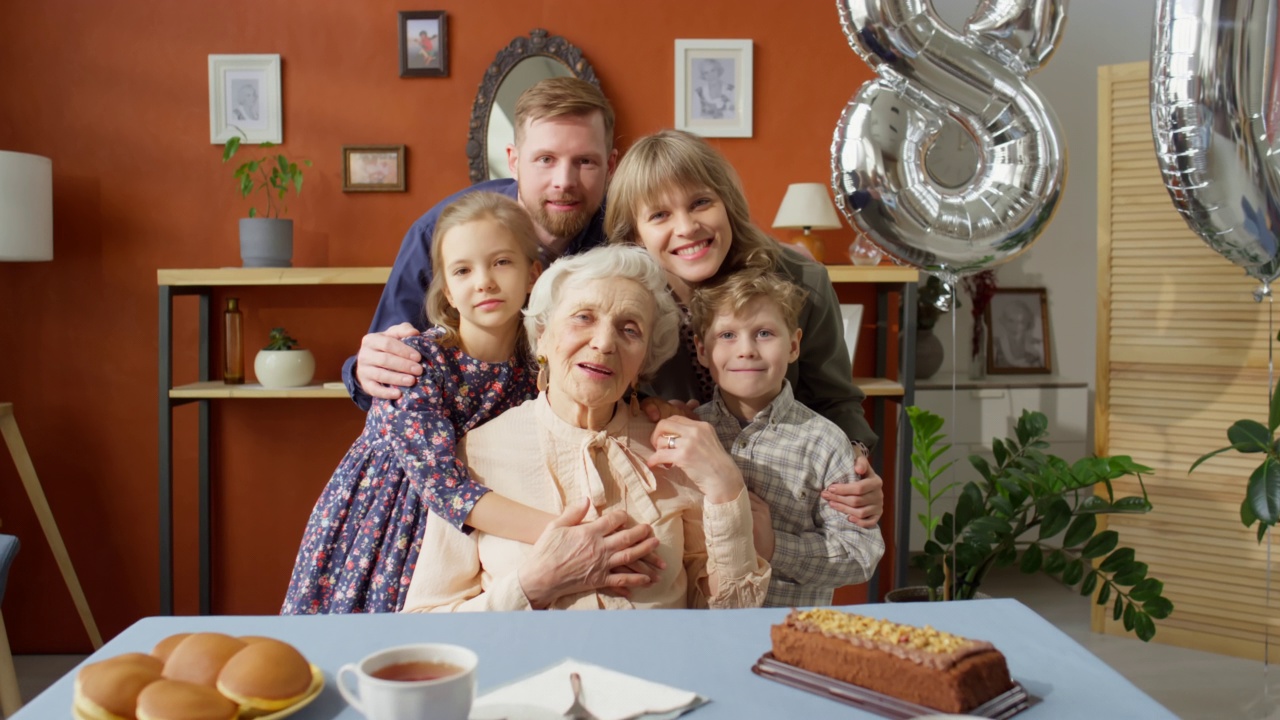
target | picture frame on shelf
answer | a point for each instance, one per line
(713, 87)
(1017, 322)
(424, 43)
(244, 96)
(373, 168)
(851, 319)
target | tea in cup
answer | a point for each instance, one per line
(412, 682)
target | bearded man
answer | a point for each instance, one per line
(560, 163)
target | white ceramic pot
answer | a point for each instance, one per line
(284, 368)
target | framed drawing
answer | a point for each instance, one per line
(713, 87)
(373, 168)
(851, 318)
(424, 44)
(1017, 322)
(244, 96)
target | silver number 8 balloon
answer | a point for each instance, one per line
(1215, 114)
(900, 169)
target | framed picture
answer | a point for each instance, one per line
(1018, 331)
(713, 87)
(424, 44)
(244, 95)
(373, 168)
(851, 318)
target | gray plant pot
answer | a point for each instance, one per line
(266, 242)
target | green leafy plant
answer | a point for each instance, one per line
(1261, 503)
(1030, 493)
(280, 340)
(272, 174)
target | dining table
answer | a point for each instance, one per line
(710, 652)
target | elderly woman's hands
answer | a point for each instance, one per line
(692, 446)
(861, 500)
(570, 558)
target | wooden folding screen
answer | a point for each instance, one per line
(1182, 353)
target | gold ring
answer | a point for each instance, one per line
(671, 441)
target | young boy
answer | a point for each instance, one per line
(746, 329)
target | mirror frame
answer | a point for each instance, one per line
(539, 42)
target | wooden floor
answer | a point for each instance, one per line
(1192, 684)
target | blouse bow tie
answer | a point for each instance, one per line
(636, 479)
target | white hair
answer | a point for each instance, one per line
(610, 262)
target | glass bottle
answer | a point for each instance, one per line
(232, 344)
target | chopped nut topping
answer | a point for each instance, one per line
(926, 639)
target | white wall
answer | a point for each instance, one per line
(1065, 257)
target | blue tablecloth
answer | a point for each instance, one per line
(708, 651)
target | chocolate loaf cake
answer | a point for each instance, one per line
(918, 665)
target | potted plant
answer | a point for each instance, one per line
(1262, 495)
(282, 364)
(266, 241)
(1014, 511)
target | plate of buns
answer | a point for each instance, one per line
(199, 676)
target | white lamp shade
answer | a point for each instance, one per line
(26, 207)
(807, 205)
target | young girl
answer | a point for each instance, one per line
(364, 536)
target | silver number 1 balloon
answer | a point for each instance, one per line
(1215, 114)
(950, 160)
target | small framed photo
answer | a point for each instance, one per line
(373, 168)
(244, 98)
(424, 44)
(713, 87)
(1018, 331)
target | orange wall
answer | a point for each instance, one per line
(117, 94)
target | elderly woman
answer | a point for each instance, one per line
(599, 322)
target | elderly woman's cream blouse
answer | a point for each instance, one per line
(532, 456)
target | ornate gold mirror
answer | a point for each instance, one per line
(526, 61)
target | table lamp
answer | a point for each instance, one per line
(808, 206)
(26, 207)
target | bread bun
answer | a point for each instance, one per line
(108, 690)
(177, 700)
(165, 647)
(266, 676)
(200, 657)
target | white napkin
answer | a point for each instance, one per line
(608, 694)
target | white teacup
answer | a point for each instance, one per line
(413, 682)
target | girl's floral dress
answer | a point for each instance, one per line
(362, 542)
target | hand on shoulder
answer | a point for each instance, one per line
(385, 363)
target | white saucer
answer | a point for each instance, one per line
(510, 711)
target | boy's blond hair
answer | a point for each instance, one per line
(561, 96)
(470, 208)
(735, 292)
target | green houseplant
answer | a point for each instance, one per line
(1010, 515)
(1261, 503)
(265, 241)
(282, 364)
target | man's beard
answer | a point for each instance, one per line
(563, 225)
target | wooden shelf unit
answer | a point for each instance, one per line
(201, 282)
